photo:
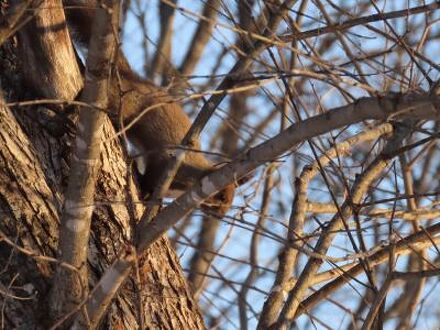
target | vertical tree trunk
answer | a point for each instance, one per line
(34, 158)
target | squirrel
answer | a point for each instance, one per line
(151, 135)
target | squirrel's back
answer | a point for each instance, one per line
(157, 122)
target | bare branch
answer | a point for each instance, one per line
(287, 257)
(409, 244)
(343, 26)
(67, 290)
(363, 109)
(201, 37)
(19, 16)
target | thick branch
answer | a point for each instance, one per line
(68, 290)
(48, 57)
(207, 111)
(379, 108)
(420, 106)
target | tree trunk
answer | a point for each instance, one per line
(34, 157)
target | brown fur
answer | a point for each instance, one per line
(161, 127)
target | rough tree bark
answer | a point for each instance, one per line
(35, 144)
(354, 211)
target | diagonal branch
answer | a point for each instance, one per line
(379, 108)
(19, 16)
(288, 256)
(343, 26)
(208, 110)
(337, 223)
(408, 244)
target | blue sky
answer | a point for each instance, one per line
(238, 239)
